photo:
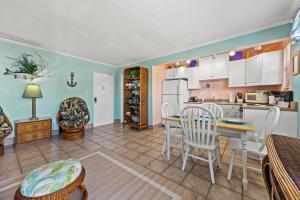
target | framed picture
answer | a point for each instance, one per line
(296, 64)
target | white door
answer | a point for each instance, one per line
(175, 101)
(193, 78)
(236, 73)
(103, 99)
(180, 72)
(220, 66)
(253, 70)
(170, 73)
(171, 87)
(287, 124)
(272, 68)
(205, 65)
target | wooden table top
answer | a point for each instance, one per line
(220, 124)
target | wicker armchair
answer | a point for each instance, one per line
(72, 117)
(5, 129)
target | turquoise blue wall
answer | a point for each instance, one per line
(226, 45)
(296, 84)
(54, 87)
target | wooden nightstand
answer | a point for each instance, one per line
(31, 130)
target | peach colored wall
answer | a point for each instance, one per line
(158, 75)
(219, 89)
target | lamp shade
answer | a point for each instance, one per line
(32, 91)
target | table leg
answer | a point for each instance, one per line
(244, 159)
(168, 140)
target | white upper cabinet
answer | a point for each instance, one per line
(205, 65)
(193, 78)
(169, 73)
(272, 68)
(236, 73)
(176, 73)
(262, 69)
(220, 66)
(214, 67)
(254, 70)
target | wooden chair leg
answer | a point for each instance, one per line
(85, 192)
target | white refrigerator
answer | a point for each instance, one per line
(175, 92)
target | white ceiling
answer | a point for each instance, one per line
(120, 32)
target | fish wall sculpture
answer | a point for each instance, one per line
(25, 67)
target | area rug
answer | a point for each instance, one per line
(110, 176)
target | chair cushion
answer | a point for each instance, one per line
(4, 129)
(74, 112)
(1, 115)
(50, 178)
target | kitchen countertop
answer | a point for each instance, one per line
(245, 105)
(216, 102)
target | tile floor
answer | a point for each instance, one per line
(143, 148)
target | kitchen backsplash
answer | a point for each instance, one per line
(219, 89)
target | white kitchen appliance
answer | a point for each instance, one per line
(257, 97)
(175, 92)
(231, 97)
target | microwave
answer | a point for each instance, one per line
(257, 97)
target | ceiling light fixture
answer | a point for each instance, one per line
(257, 48)
(232, 53)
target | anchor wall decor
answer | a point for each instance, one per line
(72, 83)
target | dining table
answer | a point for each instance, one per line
(233, 130)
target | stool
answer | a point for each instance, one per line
(53, 181)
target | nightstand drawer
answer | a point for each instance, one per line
(34, 126)
(31, 130)
(32, 136)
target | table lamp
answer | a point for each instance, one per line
(33, 91)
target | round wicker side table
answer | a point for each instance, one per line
(61, 194)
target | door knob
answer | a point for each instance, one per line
(95, 99)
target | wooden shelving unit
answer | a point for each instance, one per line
(136, 97)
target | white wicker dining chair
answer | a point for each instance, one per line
(218, 113)
(200, 132)
(214, 108)
(256, 148)
(175, 131)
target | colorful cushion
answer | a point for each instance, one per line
(1, 115)
(74, 112)
(5, 129)
(50, 178)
